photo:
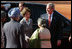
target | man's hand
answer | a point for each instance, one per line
(69, 38)
(27, 38)
(58, 42)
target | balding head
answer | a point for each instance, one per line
(21, 6)
(49, 8)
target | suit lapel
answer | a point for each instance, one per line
(27, 24)
(53, 20)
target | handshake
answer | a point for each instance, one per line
(27, 38)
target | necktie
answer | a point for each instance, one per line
(49, 20)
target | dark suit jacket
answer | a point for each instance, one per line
(56, 25)
(14, 34)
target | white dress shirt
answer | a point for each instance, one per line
(24, 19)
(51, 16)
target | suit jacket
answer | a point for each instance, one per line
(2, 39)
(56, 25)
(14, 34)
(27, 28)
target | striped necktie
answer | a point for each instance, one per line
(49, 20)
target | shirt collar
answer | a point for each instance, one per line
(26, 21)
(51, 14)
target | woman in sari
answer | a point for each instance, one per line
(41, 37)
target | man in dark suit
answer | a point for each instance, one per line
(21, 7)
(3, 19)
(14, 31)
(54, 24)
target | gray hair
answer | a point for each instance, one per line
(42, 22)
(50, 4)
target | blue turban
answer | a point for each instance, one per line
(14, 12)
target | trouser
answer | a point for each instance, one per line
(2, 44)
(54, 43)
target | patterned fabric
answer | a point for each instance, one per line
(49, 20)
(14, 12)
(40, 39)
(34, 40)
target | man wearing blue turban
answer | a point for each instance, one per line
(14, 31)
(14, 12)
